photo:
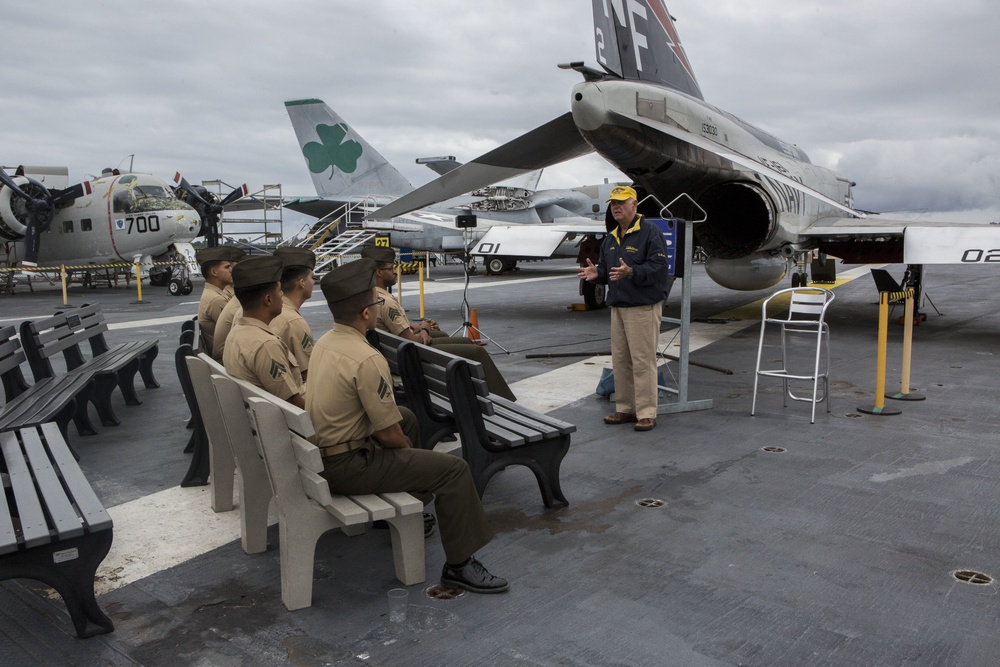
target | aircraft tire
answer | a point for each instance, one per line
(188, 287)
(593, 295)
(160, 278)
(495, 265)
(175, 287)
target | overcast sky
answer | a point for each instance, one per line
(899, 95)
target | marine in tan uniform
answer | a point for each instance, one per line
(391, 317)
(357, 422)
(217, 268)
(297, 284)
(253, 352)
(230, 314)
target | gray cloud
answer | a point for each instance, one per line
(897, 95)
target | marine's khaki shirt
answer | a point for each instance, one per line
(293, 329)
(350, 388)
(213, 300)
(255, 354)
(390, 315)
(232, 312)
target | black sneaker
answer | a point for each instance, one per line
(472, 577)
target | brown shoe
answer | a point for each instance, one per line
(620, 418)
(645, 424)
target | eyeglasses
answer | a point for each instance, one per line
(378, 302)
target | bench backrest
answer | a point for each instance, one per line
(88, 322)
(63, 332)
(388, 344)
(423, 364)
(11, 356)
(281, 438)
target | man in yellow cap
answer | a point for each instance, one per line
(297, 284)
(217, 268)
(391, 317)
(633, 263)
(254, 352)
(364, 448)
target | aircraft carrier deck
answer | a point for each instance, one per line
(840, 550)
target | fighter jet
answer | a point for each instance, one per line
(764, 201)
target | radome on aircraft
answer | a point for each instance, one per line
(532, 223)
(114, 218)
(765, 201)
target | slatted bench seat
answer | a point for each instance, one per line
(53, 528)
(267, 439)
(111, 366)
(449, 394)
(48, 400)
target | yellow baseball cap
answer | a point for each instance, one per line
(622, 193)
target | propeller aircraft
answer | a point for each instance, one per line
(117, 217)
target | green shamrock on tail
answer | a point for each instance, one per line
(334, 152)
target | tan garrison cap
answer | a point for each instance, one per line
(235, 254)
(379, 254)
(622, 193)
(347, 280)
(217, 254)
(257, 270)
(296, 257)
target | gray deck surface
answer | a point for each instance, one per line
(839, 551)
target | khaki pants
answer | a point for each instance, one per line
(428, 475)
(635, 332)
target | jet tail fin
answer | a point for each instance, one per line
(342, 164)
(637, 40)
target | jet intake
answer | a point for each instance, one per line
(741, 220)
(754, 272)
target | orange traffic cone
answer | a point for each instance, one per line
(472, 332)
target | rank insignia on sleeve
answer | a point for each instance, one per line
(277, 369)
(307, 341)
(394, 314)
(383, 388)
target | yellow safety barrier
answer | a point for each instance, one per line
(883, 334)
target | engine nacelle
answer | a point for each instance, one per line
(740, 220)
(757, 271)
(13, 213)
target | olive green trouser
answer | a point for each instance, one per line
(428, 475)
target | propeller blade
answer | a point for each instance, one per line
(32, 244)
(182, 183)
(70, 194)
(238, 193)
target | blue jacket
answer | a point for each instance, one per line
(645, 251)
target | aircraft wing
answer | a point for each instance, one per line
(552, 143)
(532, 241)
(736, 158)
(317, 207)
(924, 242)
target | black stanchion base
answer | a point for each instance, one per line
(879, 412)
(912, 396)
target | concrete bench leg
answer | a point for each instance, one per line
(408, 548)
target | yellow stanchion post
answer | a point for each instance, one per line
(883, 335)
(421, 294)
(62, 269)
(399, 284)
(138, 283)
(904, 384)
